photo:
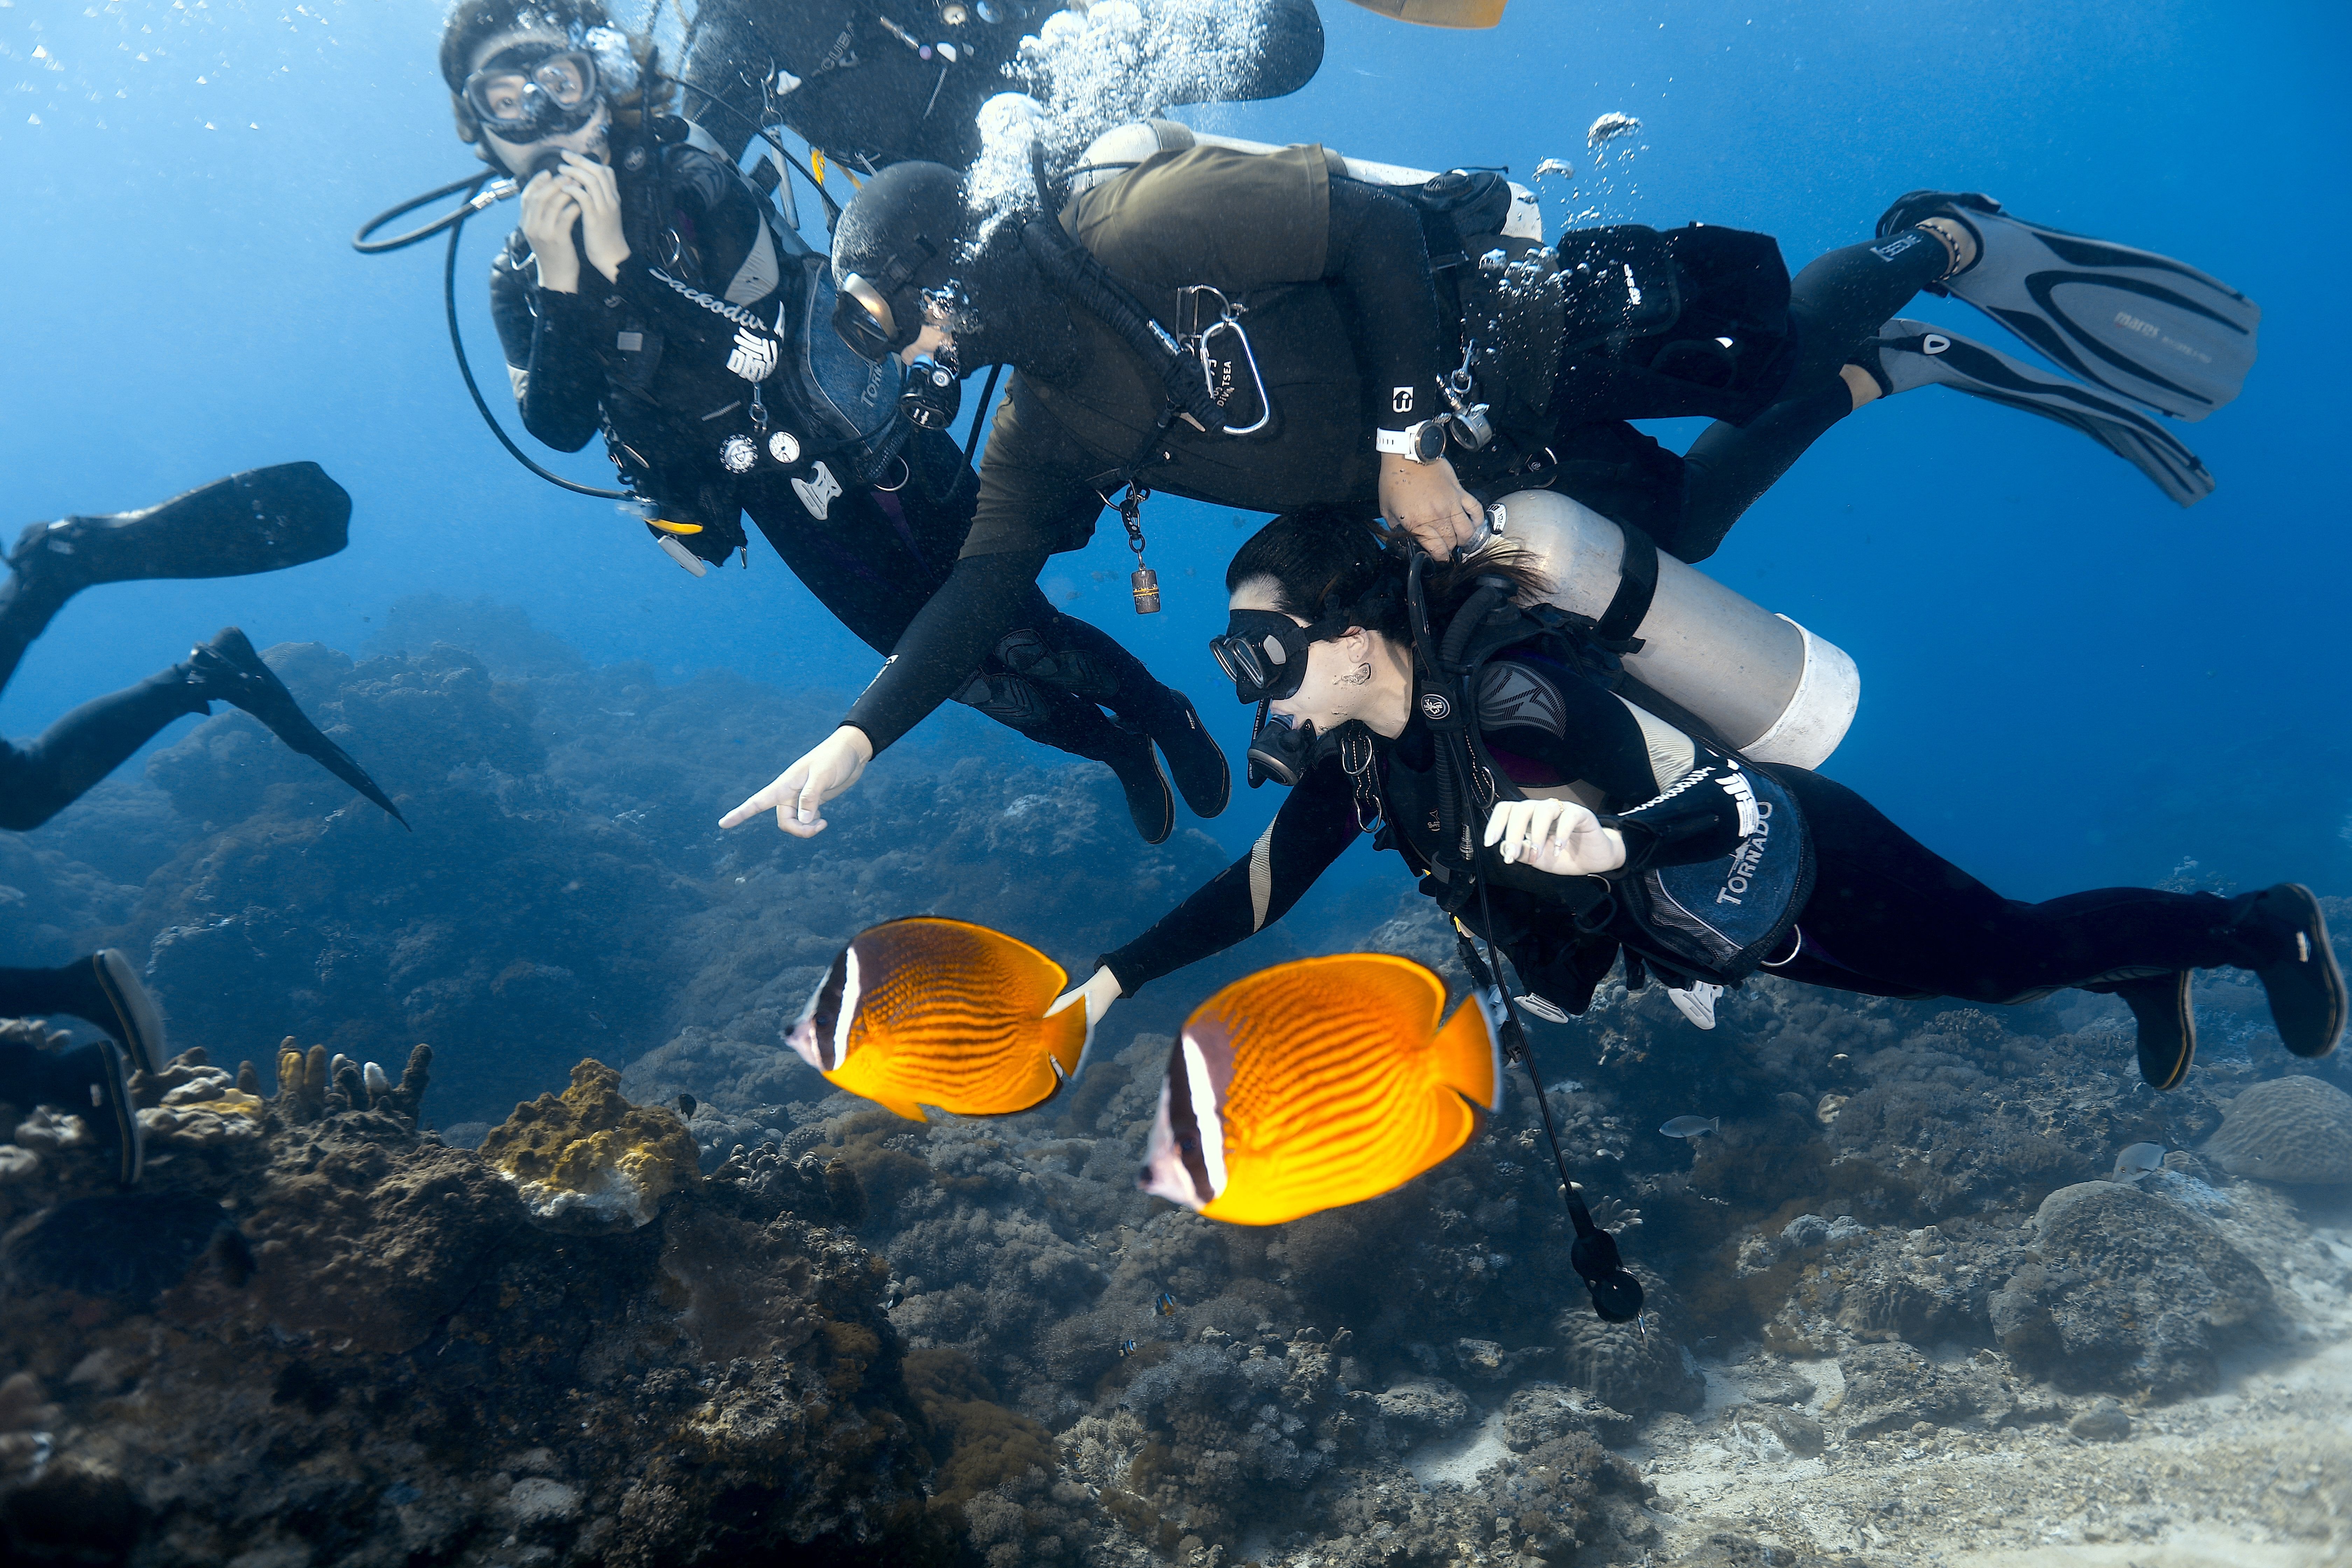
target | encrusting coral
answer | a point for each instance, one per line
(589, 1157)
(341, 1340)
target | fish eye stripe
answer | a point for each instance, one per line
(845, 1018)
(1185, 1121)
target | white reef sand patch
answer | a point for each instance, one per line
(1459, 1456)
(2256, 1474)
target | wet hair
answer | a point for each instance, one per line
(1333, 562)
(473, 22)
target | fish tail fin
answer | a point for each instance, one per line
(1469, 1058)
(1069, 1035)
(906, 1108)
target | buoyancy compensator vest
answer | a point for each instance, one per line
(1714, 920)
(817, 414)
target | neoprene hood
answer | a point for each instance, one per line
(897, 237)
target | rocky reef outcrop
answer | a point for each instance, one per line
(1904, 1300)
(339, 1341)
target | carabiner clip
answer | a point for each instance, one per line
(1228, 319)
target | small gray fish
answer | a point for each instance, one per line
(1692, 1126)
(1555, 166)
(1609, 127)
(2138, 1157)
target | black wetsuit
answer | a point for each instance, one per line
(42, 778)
(646, 362)
(1883, 915)
(871, 85)
(1346, 314)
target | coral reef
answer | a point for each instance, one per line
(339, 1340)
(2295, 1130)
(590, 1158)
(1904, 1303)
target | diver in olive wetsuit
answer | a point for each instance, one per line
(263, 520)
(1268, 330)
(652, 294)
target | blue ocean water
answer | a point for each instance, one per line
(2068, 679)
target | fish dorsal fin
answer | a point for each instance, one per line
(1468, 1058)
(906, 1108)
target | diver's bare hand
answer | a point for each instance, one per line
(801, 791)
(1560, 837)
(548, 212)
(1101, 989)
(589, 184)
(1427, 501)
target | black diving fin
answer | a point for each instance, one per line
(264, 520)
(228, 669)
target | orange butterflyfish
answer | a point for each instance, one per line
(927, 1011)
(1317, 1083)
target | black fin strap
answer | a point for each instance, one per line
(1637, 586)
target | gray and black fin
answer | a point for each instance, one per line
(1910, 353)
(2144, 326)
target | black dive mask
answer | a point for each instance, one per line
(532, 91)
(933, 391)
(863, 316)
(1284, 748)
(1264, 652)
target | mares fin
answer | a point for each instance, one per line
(1910, 353)
(227, 669)
(2142, 325)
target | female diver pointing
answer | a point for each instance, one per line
(1699, 864)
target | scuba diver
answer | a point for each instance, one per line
(1470, 724)
(652, 292)
(265, 519)
(849, 79)
(1260, 331)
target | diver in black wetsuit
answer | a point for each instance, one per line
(1593, 827)
(263, 520)
(1384, 348)
(651, 292)
(875, 85)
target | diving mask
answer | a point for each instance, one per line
(867, 324)
(1264, 652)
(532, 91)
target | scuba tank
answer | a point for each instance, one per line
(1114, 153)
(1768, 688)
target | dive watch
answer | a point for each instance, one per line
(1422, 443)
